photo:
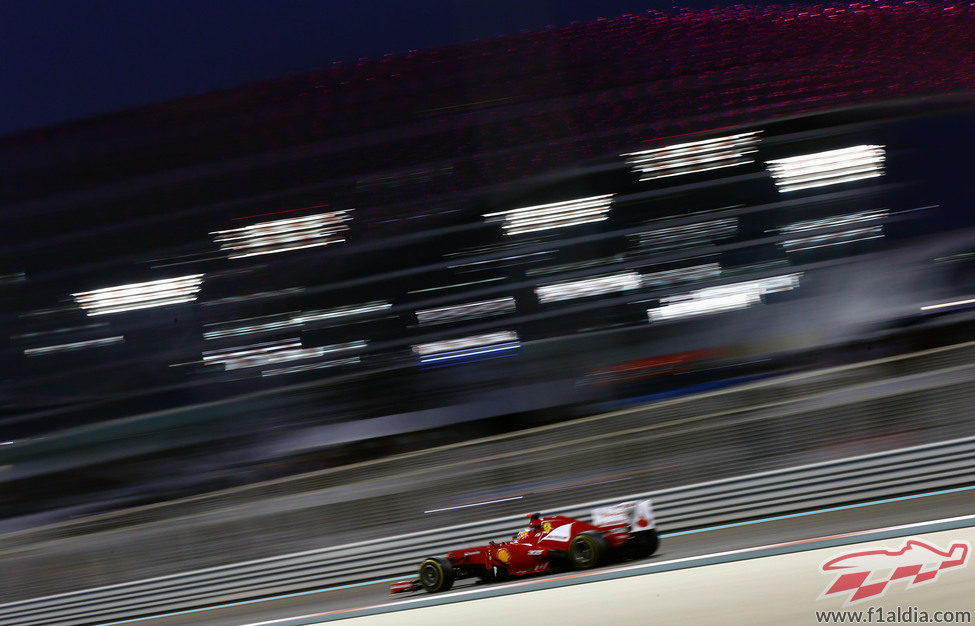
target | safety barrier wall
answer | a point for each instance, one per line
(820, 484)
(758, 394)
(884, 405)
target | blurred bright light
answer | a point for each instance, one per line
(311, 366)
(75, 345)
(833, 239)
(683, 274)
(456, 285)
(481, 503)
(722, 298)
(140, 295)
(836, 220)
(342, 311)
(269, 323)
(687, 235)
(945, 305)
(467, 310)
(522, 259)
(852, 235)
(693, 156)
(293, 233)
(701, 305)
(475, 345)
(568, 290)
(827, 168)
(555, 215)
(273, 352)
(575, 265)
(247, 327)
(58, 331)
(259, 295)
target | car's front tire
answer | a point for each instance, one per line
(436, 574)
(586, 549)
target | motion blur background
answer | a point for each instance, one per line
(243, 307)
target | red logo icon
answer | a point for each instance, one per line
(867, 574)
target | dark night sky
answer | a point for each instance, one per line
(69, 60)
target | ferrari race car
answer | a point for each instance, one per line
(626, 530)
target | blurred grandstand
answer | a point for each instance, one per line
(334, 266)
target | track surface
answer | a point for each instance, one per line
(694, 543)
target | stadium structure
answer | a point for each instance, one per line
(479, 232)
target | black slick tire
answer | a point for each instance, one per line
(586, 549)
(436, 574)
(644, 543)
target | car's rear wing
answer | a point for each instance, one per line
(637, 514)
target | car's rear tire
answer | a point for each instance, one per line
(586, 549)
(644, 543)
(436, 574)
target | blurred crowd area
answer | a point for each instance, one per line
(509, 108)
(443, 245)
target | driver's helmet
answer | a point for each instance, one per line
(534, 525)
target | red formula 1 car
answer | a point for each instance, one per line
(556, 542)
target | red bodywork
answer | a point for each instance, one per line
(653, 367)
(531, 551)
(541, 547)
